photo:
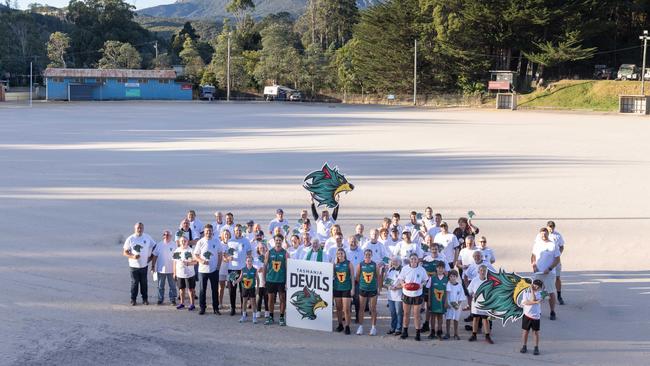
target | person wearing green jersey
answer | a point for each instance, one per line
(367, 273)
(343, 289)
(275, 272)
(248, 280)
(437, 299)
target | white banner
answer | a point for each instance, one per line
(309, 295)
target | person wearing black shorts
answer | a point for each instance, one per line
(479, 315)
(411, 280)
(532, 313)
(367, 275)
(275, 272)
(247, 280)
(343, 289)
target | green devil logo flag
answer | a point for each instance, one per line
(326, 184)
(307, 301)
(501, 295)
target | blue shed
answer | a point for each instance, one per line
(114, 84)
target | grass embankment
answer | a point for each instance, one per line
(597, 95)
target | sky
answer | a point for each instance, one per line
(140, 4)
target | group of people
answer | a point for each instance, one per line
(428, 272)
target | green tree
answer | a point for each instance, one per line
(567, 49)
(240, 8)
(327, 22)
(118, 55)
(280, 62)
(56, 49)
(192, 61)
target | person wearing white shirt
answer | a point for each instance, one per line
(229, 224)
(218, 224)
(163, 264)
(434, 229)
(304, 215)
(338, 243)
(479, 314)
(358, 233)
(184, 272)
(316, 253)
(391, 242)
(556, 237)
(449, 244)
(466, 255)
(295, 249)
(324, 223)
(379, 251)
(185, 230)
(138, 248)
(250, 231)
(406, 247)
(208, 252)
(488, 253)
(531, 301)
(280, 222)
(428, 219)
(412, 279)
(224, 237)
(258, 262)
(195, 224)
(394, 296)
(544, 259)
(306, 227)
(455, 298)
(235, 256)
(394, 224)
(471, 272)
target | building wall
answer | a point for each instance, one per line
(121, 89)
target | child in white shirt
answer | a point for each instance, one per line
(455, 298)
(532, 314)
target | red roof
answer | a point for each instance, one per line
(110, 73)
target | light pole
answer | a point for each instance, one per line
(31, 79)
(415, 73)
(645, 38)
(228, 71)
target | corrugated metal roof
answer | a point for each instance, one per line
(110, 73)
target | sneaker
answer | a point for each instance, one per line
(180, 306)
(536, 351)
(417, 335)
(282, 322)
(266, 314)
(488, 339)
(456, 337)
(392, 331)
(405, 334)
(232, 312)
(191, 308)
(373, 331)
(552, 315)
(268, 321)
(133, 303)
(145, 302)
(446, 337)
(242, 319)
(254, 318)
(472, 338)
(425, 327)
(339, 328)
(347, 329)
(523, 349)
(560, 300)
(160, 302)
(202, 311)
(398, 332)
(360, 330)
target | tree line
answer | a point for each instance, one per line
(335, 47)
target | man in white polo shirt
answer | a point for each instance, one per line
(195, 224)
(557, 238)
(279, 221)
(545, 257)
(163, 264)
(208, 252)
(138, 248)
(449, 243)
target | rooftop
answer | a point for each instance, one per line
(110, 73)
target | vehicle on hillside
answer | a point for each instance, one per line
(628, 72)
(279, 92)
(207, 92)
(5, 85)
(602, 72)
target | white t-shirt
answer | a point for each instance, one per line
(472, 270)
(432, 231)
(277, 223)
(390, 245)
(545, 253)
(428, 223)
(230, 228)
(488, 255)
(393, 295)
(331, 253)
(196, 227)
(455, 293)
(202, 248)
(532, 311)
(237, 249)
(403, 250)
(164, 260)
(466, 256)
(323, 228)
(331, 242)
(449, 242)
(183, 270)
(296, 253)
(413, 275)
(218, 227)
(379, 251)
(471, 288)
(259, 265)
(355, 256)
(556, 238)
(142, 245)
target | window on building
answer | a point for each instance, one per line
(163, 81)
(142, 81)
(76, 80)
(122, 80)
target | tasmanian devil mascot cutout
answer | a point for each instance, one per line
(326, 184)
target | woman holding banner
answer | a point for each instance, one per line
(411, 279)
(343, 289)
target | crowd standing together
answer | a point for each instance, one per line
(429, 273)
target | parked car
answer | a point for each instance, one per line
(5, 85)
(628, 72)
(207, 92)
(295, 96)
(602, 72)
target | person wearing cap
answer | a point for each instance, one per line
(279, 221)
(544, 259)
(195, 224)
(250, 231)
(162, 263)
(391, 241)
(449, 243)
(138, 247)
(324, 223)
(557, 238)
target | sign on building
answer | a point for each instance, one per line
(309, 295)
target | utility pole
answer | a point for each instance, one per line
(415, 73)
(156, 47)
(645, 38)
(31, 79)
(228, 71)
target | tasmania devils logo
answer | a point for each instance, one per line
(367, 276)
(438, 294)
(341, 276)
(247, 282)
(276, 265)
